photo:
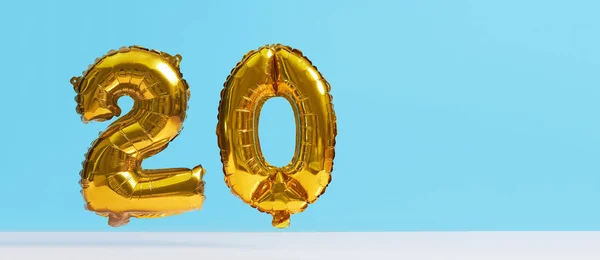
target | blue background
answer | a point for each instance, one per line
(452, 115)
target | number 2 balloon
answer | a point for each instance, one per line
(112, 180)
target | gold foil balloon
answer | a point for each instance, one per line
(276, 71)
(113, 182)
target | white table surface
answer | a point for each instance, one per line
(305, 246)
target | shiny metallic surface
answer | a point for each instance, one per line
(113, 182)
(276, 71)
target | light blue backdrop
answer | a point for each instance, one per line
(452, 115)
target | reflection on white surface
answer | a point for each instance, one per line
(305, 246)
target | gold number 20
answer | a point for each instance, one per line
(112, 179)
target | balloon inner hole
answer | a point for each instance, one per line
(277, 131)
(125, 103)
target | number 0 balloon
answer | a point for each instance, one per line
(268, 72)
(112, 180)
